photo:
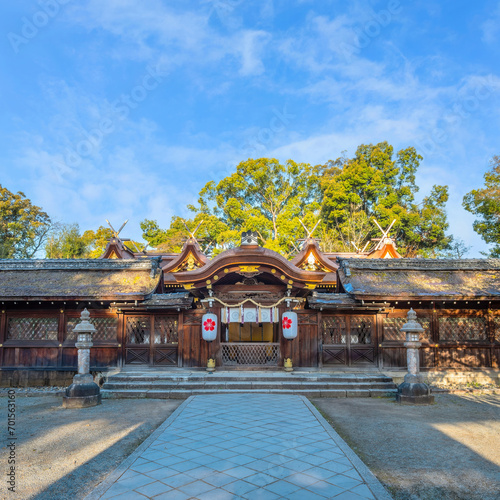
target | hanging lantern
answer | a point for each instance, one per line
(289, 324)
(209, 327)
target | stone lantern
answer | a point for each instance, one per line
(83, 392)
(413, 390)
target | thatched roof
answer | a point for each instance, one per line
(101, 279)
(420, 278)
(331, 301)
(175, 300)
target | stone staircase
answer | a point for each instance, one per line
(182, 383)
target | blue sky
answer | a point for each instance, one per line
(124, 109)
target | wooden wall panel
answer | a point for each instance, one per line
(9, 357)
(308, 341)
(394, 357)
(465, 357)
(39, 357)
(308, 345)
(495, 361)
(427, 357)
(70, 357)
(101, 357)
(191, 339)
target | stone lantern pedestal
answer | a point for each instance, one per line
(83, 392)
(413, 390)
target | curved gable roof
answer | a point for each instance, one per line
(191, 247)
(311, 247)
(249, 259)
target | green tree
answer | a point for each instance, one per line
(484, 203)
(457, 249)
(23, 226)
(211, 231)
(262, 195)
(381, 185)
(96, 241)
(65, 242)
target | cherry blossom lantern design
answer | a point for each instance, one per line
(289, 325)
(209, 327)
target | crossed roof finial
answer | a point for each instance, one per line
(309, 233)
(192, 233)
(115, 232)
(385, 233)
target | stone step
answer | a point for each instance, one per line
(246, 378)
(222, 384)
(182, 384)
(182, 394)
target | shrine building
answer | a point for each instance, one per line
(150, 309)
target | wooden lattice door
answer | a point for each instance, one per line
(348, 340)
(151, 340)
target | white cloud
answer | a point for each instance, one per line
(154, 31)
(491, 27)
(251, 47)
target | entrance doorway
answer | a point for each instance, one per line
(250, 344)
(151, 340)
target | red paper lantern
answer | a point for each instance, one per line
(209, 327)
(289, 324)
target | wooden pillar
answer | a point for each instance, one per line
(151, 339)
(379, 350)
(491, 336)
(60, 335)
(3, 334)
(435, 336)
(180, 339)
(120, 360)
(320, 339)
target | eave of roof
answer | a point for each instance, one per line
(78, 279)
(430, 279)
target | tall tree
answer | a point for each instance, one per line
(484, 203)
(211, 231)
(381, 185)
(65, 242)
(263, 195)
(23, 226)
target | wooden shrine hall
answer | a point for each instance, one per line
(150, 309)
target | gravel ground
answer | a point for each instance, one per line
(449, 450)
(63, 454)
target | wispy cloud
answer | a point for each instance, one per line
(491, 27)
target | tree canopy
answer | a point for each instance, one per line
(484, 203)
(263, 195)
(271, 198)
(375, 183)
(66, 242)
(23, 226)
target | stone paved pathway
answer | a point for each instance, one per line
(253, 446)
